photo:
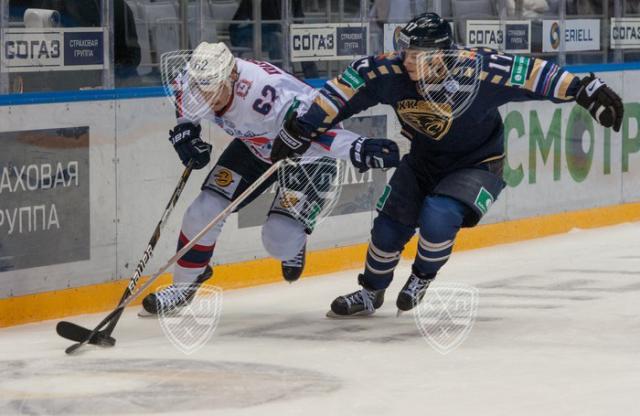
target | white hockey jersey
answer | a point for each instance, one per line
(262, 96)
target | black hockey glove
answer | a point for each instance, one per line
(374, 153)
(603, 104)
(185, 138)
(290, 140)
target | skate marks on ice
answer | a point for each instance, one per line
(499, 300)
(146, 386)
(591, 284)
(381, 328)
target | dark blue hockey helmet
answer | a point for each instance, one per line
(427, 31)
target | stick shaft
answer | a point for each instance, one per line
(222, 215)
(115, 314)
(133, 281)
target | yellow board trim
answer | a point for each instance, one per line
(103, 296)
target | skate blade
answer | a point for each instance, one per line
(144, 314)
(360, 315)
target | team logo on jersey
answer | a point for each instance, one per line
(224, 178)
(242, 87)
(429, 118)
(289, 200)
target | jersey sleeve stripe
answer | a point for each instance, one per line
(561, 80)
(327, 106)
(563, 86)
(343, 90)
(383, 70)
(549, 78)
(534, 76)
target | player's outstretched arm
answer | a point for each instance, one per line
(357, 88)
(522, 78)
(364, 153)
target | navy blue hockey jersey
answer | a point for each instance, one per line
(441, 143)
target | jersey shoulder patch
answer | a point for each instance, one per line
(388, 63)
(504, 69)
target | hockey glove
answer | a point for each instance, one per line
(290, 140)
(603, 104)
(186, 140)
(374, 153)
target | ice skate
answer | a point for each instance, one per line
(172, 297)
(363, 302)
(292, 269)
(412, 293)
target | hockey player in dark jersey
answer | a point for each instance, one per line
(453, 172)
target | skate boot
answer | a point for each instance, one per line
(412, 292)
(172, 297)
(292, 269)
(359, 303)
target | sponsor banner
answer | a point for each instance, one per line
(327, 41)
(625, 33)
(359, 190)
(392, 31)
(579, 35)
(53, 49)
(44, 197)
(517, 37)
(512, 36)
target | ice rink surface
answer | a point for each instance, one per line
(557, 333)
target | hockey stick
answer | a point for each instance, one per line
(228, 210)
(78, 333)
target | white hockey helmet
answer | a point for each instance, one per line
(210, 66)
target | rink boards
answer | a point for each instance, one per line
(84, 183)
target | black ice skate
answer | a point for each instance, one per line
(172, 297)
(412, 292)
(363, 302)
(292, 269)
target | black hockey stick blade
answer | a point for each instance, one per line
(90, 336)
(78, 333)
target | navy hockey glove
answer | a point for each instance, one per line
(374, 153)
(185, 138)
(603, 104)
(290, 140)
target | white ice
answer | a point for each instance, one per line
(557, 333)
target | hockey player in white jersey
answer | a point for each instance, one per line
(250, 101)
